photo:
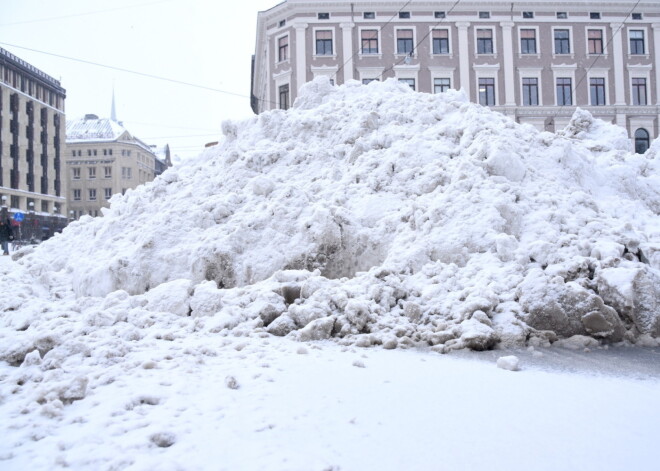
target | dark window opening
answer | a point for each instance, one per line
(562, 41)
(528, 41)
(562, 15)
(484, 41)
(597, 91)
(369, 15)
(594, 15)
(324, 16)
(404, 15)
(530, 91)
(487, 91)
(440, 41)
(440, 14)
(484, 14)
(642, 141)
(528, 14)
(564, 96)
(284, 96)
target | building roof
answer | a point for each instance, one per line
(91, 128)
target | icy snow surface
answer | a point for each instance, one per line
(372, 215)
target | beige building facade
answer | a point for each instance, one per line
(534, 61)
(102, 159)
(32, 139)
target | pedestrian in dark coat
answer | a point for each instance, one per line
(6, 235)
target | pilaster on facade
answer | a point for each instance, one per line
(347, 49)
(617, 54)
(656, 60)
(301, 55)
(509, 76)
(464, 56)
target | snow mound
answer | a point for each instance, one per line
(375, 215)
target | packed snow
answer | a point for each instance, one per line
(364, 216)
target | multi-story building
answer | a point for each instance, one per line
(534, 61)
(31, 145)
(103, 158)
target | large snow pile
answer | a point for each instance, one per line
(372, 214)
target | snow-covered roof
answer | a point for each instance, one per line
(92, 128)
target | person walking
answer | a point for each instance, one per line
(6, 235)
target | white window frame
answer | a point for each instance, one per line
(277, 48)
(442, 72)
(646, 41)
(448, 27)
(329, 71)
(282, 79)
(538, 44)
(487, 71)
(640, 71)
(404, 71)
(330, 28)
(571, 44)
(599, 73)
(564, 71)
(414, 40)
(531, 72)
(494, 39)
(380, 43)
(586, 41)
(370, 73)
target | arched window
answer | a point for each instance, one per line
(641, 140)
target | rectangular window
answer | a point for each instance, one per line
(284, 96)
(404, 15)
(484, 14)
(324, 43)
(91, 171)
(484, 41)
(107, 193)
(441, 85)
(440, 14)
(107, 172)
(369, 15)
(530, 88)
(76, 195)
(562, 41)
(404, 41)
(562, 15)
(76, 173)
(487, 91)
(126, 173)
(636, 41)
(528, 14)
(528, 41)
(369, 41)
(639, 91)
(594, 15)
(409, 81)
(564, 95)
(597, 91)
(595, 38)
(283, 48)
(92, 194)
(282, 23)
(109, 151)
(440, 41)
(636, 16)
(324, 16)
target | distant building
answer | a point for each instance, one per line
(103, 158)
(534, 61)
(31, 147)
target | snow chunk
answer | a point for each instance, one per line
(510, 362)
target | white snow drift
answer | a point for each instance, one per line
(373, 214)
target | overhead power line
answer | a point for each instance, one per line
(121, 69)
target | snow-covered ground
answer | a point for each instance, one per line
(199, 402)
(282, 301)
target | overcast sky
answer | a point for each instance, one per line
(202, 42)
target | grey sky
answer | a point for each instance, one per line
(202, 42)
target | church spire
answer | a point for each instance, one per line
(113, 111)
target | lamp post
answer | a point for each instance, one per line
(32, 220)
